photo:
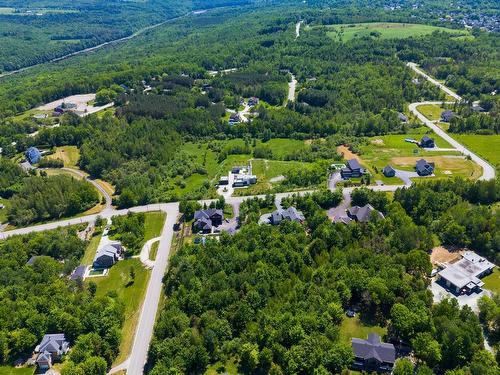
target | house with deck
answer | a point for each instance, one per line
(424, 168)
(352, 169)
(427, 142)
(107, 256)
(206, 220)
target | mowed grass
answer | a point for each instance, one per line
(8, 370)
(431, 111)
(68, 154)
(486, 146)
(354, 327)
(132, 294)
(153, 224)
(492, 282)
(91, 249)
(381, 30)
(282, 147)
(230, 367)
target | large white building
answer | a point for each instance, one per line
(464, 276)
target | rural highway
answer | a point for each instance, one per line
(488, 169)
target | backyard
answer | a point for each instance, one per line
(354, 327)
(492, 282)
(68, 154)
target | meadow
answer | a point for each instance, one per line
(348, 32)
(486, 146)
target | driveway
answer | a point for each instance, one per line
(439, 293)
(406, 176)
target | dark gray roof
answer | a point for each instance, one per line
(53, 343)
(203, 223)
(388, 168)
(402, 117)
(353, 164)
(426, 138)
(208, 213)
(447, 115)
(424, 166)
(373, 348)
(291, 213)
(364, 214)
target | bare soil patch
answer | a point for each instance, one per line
(348, 154)
(441, 254)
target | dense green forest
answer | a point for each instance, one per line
(35, 198)
(38, 299)
(272, 299)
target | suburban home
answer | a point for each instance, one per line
(51, 348)
(389, 171)
(224, 180)
(253, 101)
(234, 118)
(424, 168)
(33, 155)
(372, 354)
(446, 116)
(78, 273)
(402, 117)
(291, 213)
(427, 142)
(107, 256)
(464, 275)
(364, 214)
(205, 220)
(244, 180)
(352, 169)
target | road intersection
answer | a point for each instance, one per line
(134, 365)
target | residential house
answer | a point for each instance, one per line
(446, 116)
(107, 256)
(253, 101)
(243, 180)
(291, 213)
(33, 155)
(373, 354)
(402, 117)
(234, 119)
(478, 108)
(205, 220)
(224, 180)
(352, 169)
(464, 275)
(427, 142)
(389, 171)
(51, 348)
(364, 214)
(424, 168)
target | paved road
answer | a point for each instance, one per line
(488, 170)
(297, 29)
(91, 49)
(414, 67)
(85, 176)
(144, 331)
(292, 85)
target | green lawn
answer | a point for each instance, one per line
(154, 250)
(7, 370)
(3, 211)
(230, 367)
(91, 249)
(380, 30)
(282, 147)
(354, 327)
(431, 111)
(132, 294)
(486, 146)
(492, 282)
(153, 224)
(68, 154)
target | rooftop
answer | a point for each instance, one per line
(467, 270)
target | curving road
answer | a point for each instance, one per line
(488, 170)
(85, 176)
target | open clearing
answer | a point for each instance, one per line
(446, 165)
(347, 32)
(83, 103)
(153, 224)
(431, 111)
(486, 146)
(442, 255)
(68, 154)
(132, 295)
(354, 327)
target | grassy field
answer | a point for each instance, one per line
(492, 282)
(91, 249)
(68, 154)
(354, 327)
(386, 31)
(392, 149)
(486, 146)
(431, 111)
(132, 294)
(154, 250)
(153, 224)
(7, 370)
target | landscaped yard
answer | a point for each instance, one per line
(68, 154)
(132, 294)
(380, 30)
(91, 249)
(8, 370)
(354, 327)
(431, 111)
(492, 282)
(230, 367)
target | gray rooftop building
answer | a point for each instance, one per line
(372, 354)
(291, 213)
